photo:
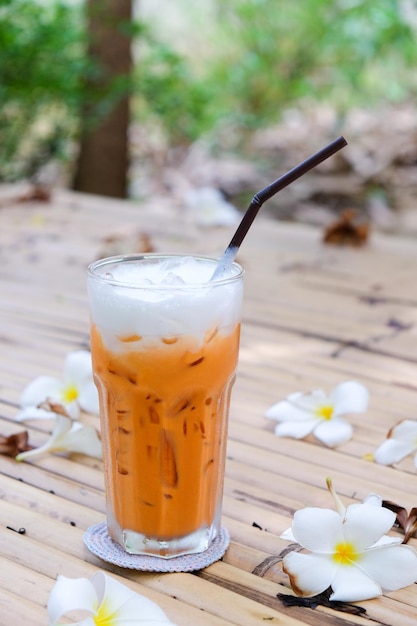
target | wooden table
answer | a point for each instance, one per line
(314, 316)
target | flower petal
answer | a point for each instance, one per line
(350, 397)
(124, 604)
(374, 499)
(297, 430)
(351, 584)
(309, 402)
(78, 367)
(82, 440)
(309, 574)
(68, 436)
(288, 535)
(392, 567)
(88, 398)
(318, 530)
(70, 594)
(287, 411)
(333, 432)
(71, 408)
(405, 431)
(34, 413)
(386, 540)
(392, 451)
(365, 524)
(136, 621)
(39, 390)
(62, 426)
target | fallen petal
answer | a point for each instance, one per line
(392, 566)
(39, 390)
(47, 448)
(351, 584)
(78, 367)
(47, 390)
(386, 540)
(88, 398)
(83, 440)
(125, 605)
(288, 535)
(365, 524)
(350, 397)
(34, 413)
(374, 499)
(392, 451)
(310, 574)
(318, 530)
(68, 436)
(71, 409)
(309, 401)
(71, 594)
(333, 432)
(63, 425)
(405, 431)
(297, 430)
(287, 411)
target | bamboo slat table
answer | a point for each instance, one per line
(314, 316)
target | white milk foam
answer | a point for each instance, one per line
(162, 298)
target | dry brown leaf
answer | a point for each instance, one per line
(406, 521)
(54, 407)
(116, 244)
(12, 445)
(347, 231)
(38, 193)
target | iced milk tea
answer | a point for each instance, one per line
(164, 342)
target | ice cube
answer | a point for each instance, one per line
(145, 281)
(172, 279)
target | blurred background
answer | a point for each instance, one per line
(132, 98)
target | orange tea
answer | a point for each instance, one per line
(164, 341)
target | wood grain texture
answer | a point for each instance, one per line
(314, 316)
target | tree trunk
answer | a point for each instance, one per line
(103, 160)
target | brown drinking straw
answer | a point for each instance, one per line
(265, 194)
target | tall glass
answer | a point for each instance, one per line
(164, 342)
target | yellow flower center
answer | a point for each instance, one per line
(325, 411)
(345, 554)
(103, 617)
(69, 394)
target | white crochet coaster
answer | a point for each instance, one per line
(99, 542)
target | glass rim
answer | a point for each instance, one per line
(130, 258)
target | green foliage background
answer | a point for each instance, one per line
(350, 52)
(41, 62)
(257, 58)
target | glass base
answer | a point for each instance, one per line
(137, 543)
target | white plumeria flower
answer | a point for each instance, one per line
(76, 391)
(401, 441)
(349, 552)
(303, 413)
(104, 600)
(210, 208)
(68, 436)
